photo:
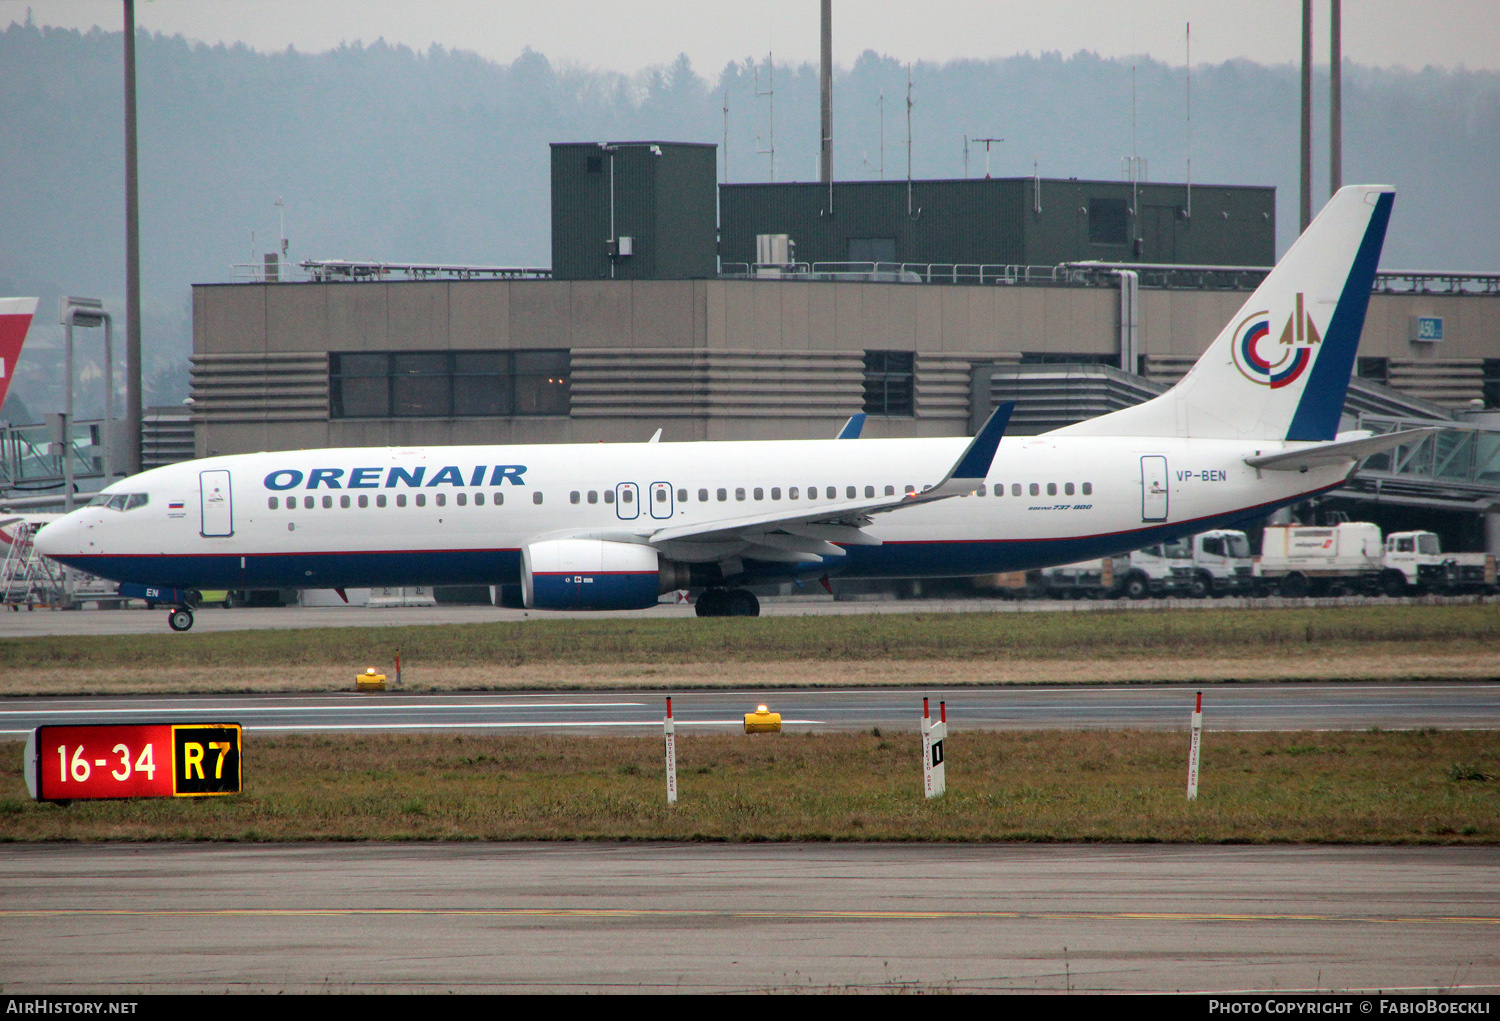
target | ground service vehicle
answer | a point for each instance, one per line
(1213, 563)
(1351, 558)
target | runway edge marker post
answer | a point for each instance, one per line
(934, 775)
(669, 729)
(1193, 748)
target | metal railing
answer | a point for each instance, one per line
(1156, 276)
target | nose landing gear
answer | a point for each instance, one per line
(180, 619)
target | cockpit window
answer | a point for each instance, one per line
(120, 501)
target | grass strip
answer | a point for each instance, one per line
(1375, 787)
(917, 636)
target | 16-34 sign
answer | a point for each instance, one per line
(153, 760)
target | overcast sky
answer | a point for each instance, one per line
(627, 35)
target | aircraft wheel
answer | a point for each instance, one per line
(180, 619)
(742, 603)
(712, 602)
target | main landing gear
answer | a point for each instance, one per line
(180, 619)
(735, 602)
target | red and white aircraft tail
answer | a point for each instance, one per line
(15, 320)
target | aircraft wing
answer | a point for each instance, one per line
(853, 427)
(1325, 454)
(807, 536)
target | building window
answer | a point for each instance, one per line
(872, 250)
(1376, 370)
(448, 384)
(890, 382)
(1492, 382)
(1108, 222)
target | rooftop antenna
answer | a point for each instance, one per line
(1189, 37)
(881, 103)
(1036, 186)
(987, 142)
(909, 104)
(770, 95)
(966, 157)
(726, 136)
(281, 212)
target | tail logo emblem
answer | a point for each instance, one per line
(1281, 363)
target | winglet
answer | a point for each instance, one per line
(853, 427)
(974, 466)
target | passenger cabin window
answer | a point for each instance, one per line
(307, 503)
(1015, 489)
(364, 501)
(682, 496)
(273, 503)
(775, 493)
(1036, 490)
(400, 499)
(739, 494)
(850, 493)
(723, 495)
(380, 500)
(441, 499)
(343, 502)
(462, 499)
(1088, 489)
(478, 499)
(575, 497)
(1068, 489)
(833, 492)
(703, 495)
(890, 490)
(1052, 489)
(421, 499)
(537, 496)
(609, 496)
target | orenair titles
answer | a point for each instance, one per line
(370, 478)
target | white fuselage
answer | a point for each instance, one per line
(460, 515)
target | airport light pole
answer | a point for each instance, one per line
(132, 263)
(86, 312)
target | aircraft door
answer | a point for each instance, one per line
(661, 499)
(1153, 488)
(216, 500)
(627, 501)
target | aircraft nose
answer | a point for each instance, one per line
(57, 538)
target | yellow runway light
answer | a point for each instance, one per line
(369, 681)
(762, 721)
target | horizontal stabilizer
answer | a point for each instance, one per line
(1325, 455)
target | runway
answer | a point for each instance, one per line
(1345, 706)
(738, 918)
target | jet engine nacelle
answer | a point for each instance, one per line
(594, 574)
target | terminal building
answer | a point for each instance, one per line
(774, 311)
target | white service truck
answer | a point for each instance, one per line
(1214, 563)
(1352, 558)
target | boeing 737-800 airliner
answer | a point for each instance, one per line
(1251, 428)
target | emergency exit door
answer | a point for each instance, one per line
(1153, 488)
(661, 500)
(217, 504)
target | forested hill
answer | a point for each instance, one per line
(380, 152)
